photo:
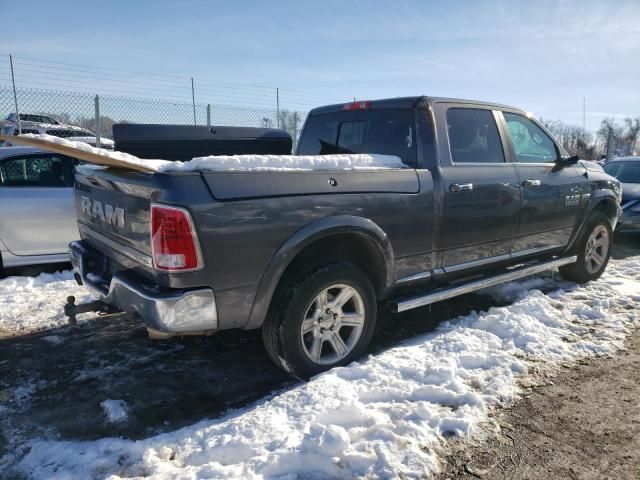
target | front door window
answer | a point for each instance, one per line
(530, 143)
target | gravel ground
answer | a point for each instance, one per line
(585, 424)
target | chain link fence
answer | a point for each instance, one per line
(100, 112)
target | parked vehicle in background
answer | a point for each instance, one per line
(476, 194)
(69, 132)
(627, 171)
(37, 216)
(12, 119)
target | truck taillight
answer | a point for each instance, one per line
(174, 241)
(357, 106)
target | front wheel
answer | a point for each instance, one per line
(323, 320)
(593, 248)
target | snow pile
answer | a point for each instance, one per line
(115, 411)
(92, 140)
(387, 416)
(360, 161)
(35, 303)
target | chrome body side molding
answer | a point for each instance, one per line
(413, 278)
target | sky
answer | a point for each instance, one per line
(542, 56)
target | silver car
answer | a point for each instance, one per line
(37, 215)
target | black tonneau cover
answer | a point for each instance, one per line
(184, 142)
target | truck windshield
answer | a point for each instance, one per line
(384, 131)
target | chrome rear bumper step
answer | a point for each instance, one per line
(439, 294)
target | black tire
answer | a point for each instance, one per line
(585, 269)
(282, 334)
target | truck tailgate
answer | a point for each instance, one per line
(113, 206)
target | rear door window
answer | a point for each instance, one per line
(473, 136)
(383, 131)
(36, 171)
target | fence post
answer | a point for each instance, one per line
(97, 105)
(208, 114)
(193, 97)
(15, 96)
(278, 106)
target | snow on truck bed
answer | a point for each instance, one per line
(387, 415)
(359, 161)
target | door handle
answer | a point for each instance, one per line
(460, 187)
(531, 183)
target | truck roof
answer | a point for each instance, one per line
(406, 102)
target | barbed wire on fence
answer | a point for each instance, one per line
(55, 75)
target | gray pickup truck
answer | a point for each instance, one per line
(486, 196)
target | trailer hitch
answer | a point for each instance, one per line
(71, 309)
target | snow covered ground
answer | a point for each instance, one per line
(29, 304)
(384, 417)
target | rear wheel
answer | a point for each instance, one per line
(324, 319)
(593, 249)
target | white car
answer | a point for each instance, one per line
(37, 215)
(68, 132)
(12, 119)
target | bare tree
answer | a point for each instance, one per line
(291, 122)
(574, 139)
(624, 137)
(631, 132)
(106, 125)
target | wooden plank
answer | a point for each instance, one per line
(75, 152)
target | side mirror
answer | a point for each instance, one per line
(563, 162)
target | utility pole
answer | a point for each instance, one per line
(611, 145)
(15, 95)
(278, 106)
(584, 114)
(193, 97)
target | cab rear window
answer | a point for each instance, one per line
(383, 131)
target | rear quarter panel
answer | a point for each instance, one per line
(240, 237)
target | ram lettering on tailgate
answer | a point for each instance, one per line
(105, 212)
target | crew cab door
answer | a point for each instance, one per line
(551, 195)
(481, 193)
(37, 215)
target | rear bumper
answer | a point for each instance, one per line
(168, 312)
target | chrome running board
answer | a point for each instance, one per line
(444, 293)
